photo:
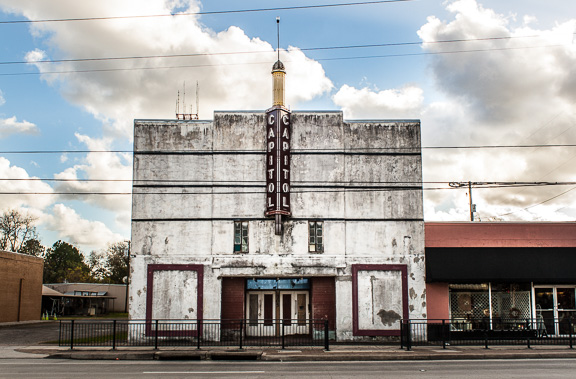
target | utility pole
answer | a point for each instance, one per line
(471, 204)
(464, 184)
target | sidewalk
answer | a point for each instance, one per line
(336, 353)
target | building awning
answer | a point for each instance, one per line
(47, 291)
(553, 265)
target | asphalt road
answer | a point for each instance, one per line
(489, 369)
(29, 334)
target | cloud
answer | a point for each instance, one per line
(519, 90)
(527, 71)
(227, 81)
(513, 92)
(109, 172)
(17, 181)
(71, 227)
(11, 125)
(392, 103)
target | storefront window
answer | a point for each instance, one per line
(468, 301)
(490, 306)
(510, 305)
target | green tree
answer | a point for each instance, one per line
(32, 247)
(65, 263)
(15, 229)
(117, 262)
(97, 265)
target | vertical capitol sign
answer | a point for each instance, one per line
(278, 162)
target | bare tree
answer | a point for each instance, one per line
(15, 230)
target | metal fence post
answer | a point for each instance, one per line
(326, 339)
(114, 335)
(401, 334)
(570, 333)
(241, 331)
(282, 325)
(72, 334)
(199, 327)
(443, 334)
(156, 335)
(408, 335)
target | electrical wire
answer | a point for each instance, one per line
(184, 182)
(535, 205)
(362, 149)
(265, 52)
(318, 189)
(206, 13)
(267, 62)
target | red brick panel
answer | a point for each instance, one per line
(323, 297)
(500, 234)
(233, 298)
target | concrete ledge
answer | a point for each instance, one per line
(104, 355)
(180, 355)
(238, 355)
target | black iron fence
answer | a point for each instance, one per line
(194, 333)
(486, 332)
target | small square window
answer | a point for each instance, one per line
(240, 237)
(315, 239)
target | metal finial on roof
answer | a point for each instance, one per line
(278, 34)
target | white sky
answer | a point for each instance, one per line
(513, 82)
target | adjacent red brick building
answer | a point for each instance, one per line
(21, 293)
(501, 271)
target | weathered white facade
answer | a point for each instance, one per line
(362, 180)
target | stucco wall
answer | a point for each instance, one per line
(21, 294)
(192, 179)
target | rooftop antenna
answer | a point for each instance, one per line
(178, 103)
(197, 100)
(184, 115)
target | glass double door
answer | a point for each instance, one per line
(555, 309)
(267, 312)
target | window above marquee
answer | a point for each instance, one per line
(240, 236)
(315, 236)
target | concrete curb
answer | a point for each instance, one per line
(189, 355)
(310, 356)
(25, 323)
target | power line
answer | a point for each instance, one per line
(319, 189)
(542, 202)
(256, 63)
(477, 185)
(205, 13)
(390, 44)
(379, 149)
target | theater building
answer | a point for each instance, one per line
(502, 273)
(277, 215)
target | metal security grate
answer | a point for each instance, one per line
(468, 305)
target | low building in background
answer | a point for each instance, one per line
(21, 287)
(88, 299)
